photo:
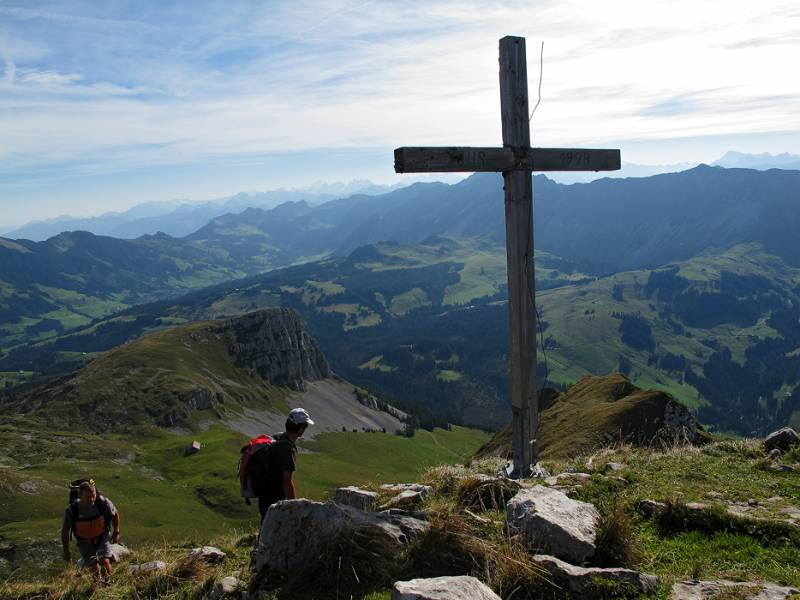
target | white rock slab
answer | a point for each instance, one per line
(703, 590)
(551, 522)
(582, 580)
(296, 532)
(210, 554)
(443, 588)
(225, 586)
(357, 498)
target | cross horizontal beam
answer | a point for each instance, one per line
(469, 159)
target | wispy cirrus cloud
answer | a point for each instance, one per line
(121, 87)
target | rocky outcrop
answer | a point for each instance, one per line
(196, 399)
(582, 581)
(598, 411)
(678, 425)
(551, 522)
(167, 375)
(706, 590)
(783, 439)
(307, 530)
(274, 344)
(443, 588)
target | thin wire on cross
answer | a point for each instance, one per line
(541, 71)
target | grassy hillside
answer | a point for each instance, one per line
(163, 494)
(746, 536)
(75, 278)
(596, 412)
(428, 324)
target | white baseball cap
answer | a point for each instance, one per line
(300, 416)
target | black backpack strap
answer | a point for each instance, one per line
(102, 505)
(73, 513)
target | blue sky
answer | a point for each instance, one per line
(107, 104)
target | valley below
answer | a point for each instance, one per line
(668, 343)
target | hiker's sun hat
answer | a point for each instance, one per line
(300, 416)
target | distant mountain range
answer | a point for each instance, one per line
(762, 162)
(606, 226)
(179, 218)
(731, 159)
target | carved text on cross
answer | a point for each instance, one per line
(516, 160)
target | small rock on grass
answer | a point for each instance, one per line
(706, 590)
(118, 552)
(402, 487)
(583, 580)
(356, 497)
(210, 554)
(146, 568)
(225, 586)
(403, 499)
(443, 588)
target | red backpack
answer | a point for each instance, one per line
(250, 482)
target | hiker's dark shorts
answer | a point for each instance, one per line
(94, 551)
(263, 506)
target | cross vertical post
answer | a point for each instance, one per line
(519, 255)
(516, 160)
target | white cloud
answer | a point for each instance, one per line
(170, 85)
(49, 77)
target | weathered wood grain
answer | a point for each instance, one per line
(519, 255)
(453, 159)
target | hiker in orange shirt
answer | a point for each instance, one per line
(90, 519)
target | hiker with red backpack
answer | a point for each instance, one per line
(267, 465)
(93, 521)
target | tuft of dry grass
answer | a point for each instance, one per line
(617, 542)
(449, 547)
(478, 493)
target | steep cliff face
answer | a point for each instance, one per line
(164, 378)
(274, 344)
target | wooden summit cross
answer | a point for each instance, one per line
(516, 160)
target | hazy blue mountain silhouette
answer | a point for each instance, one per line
(616, 224)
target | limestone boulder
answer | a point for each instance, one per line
(783, 439)
(397, 488)
(118, 552)
(210, 554)
(306, 530)
(568, 479)
(403, 500)
(582, 581)
(551, 522)
(443, 588)
(407, 495)
(357, 498)
(225, 587)
(705, 590)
